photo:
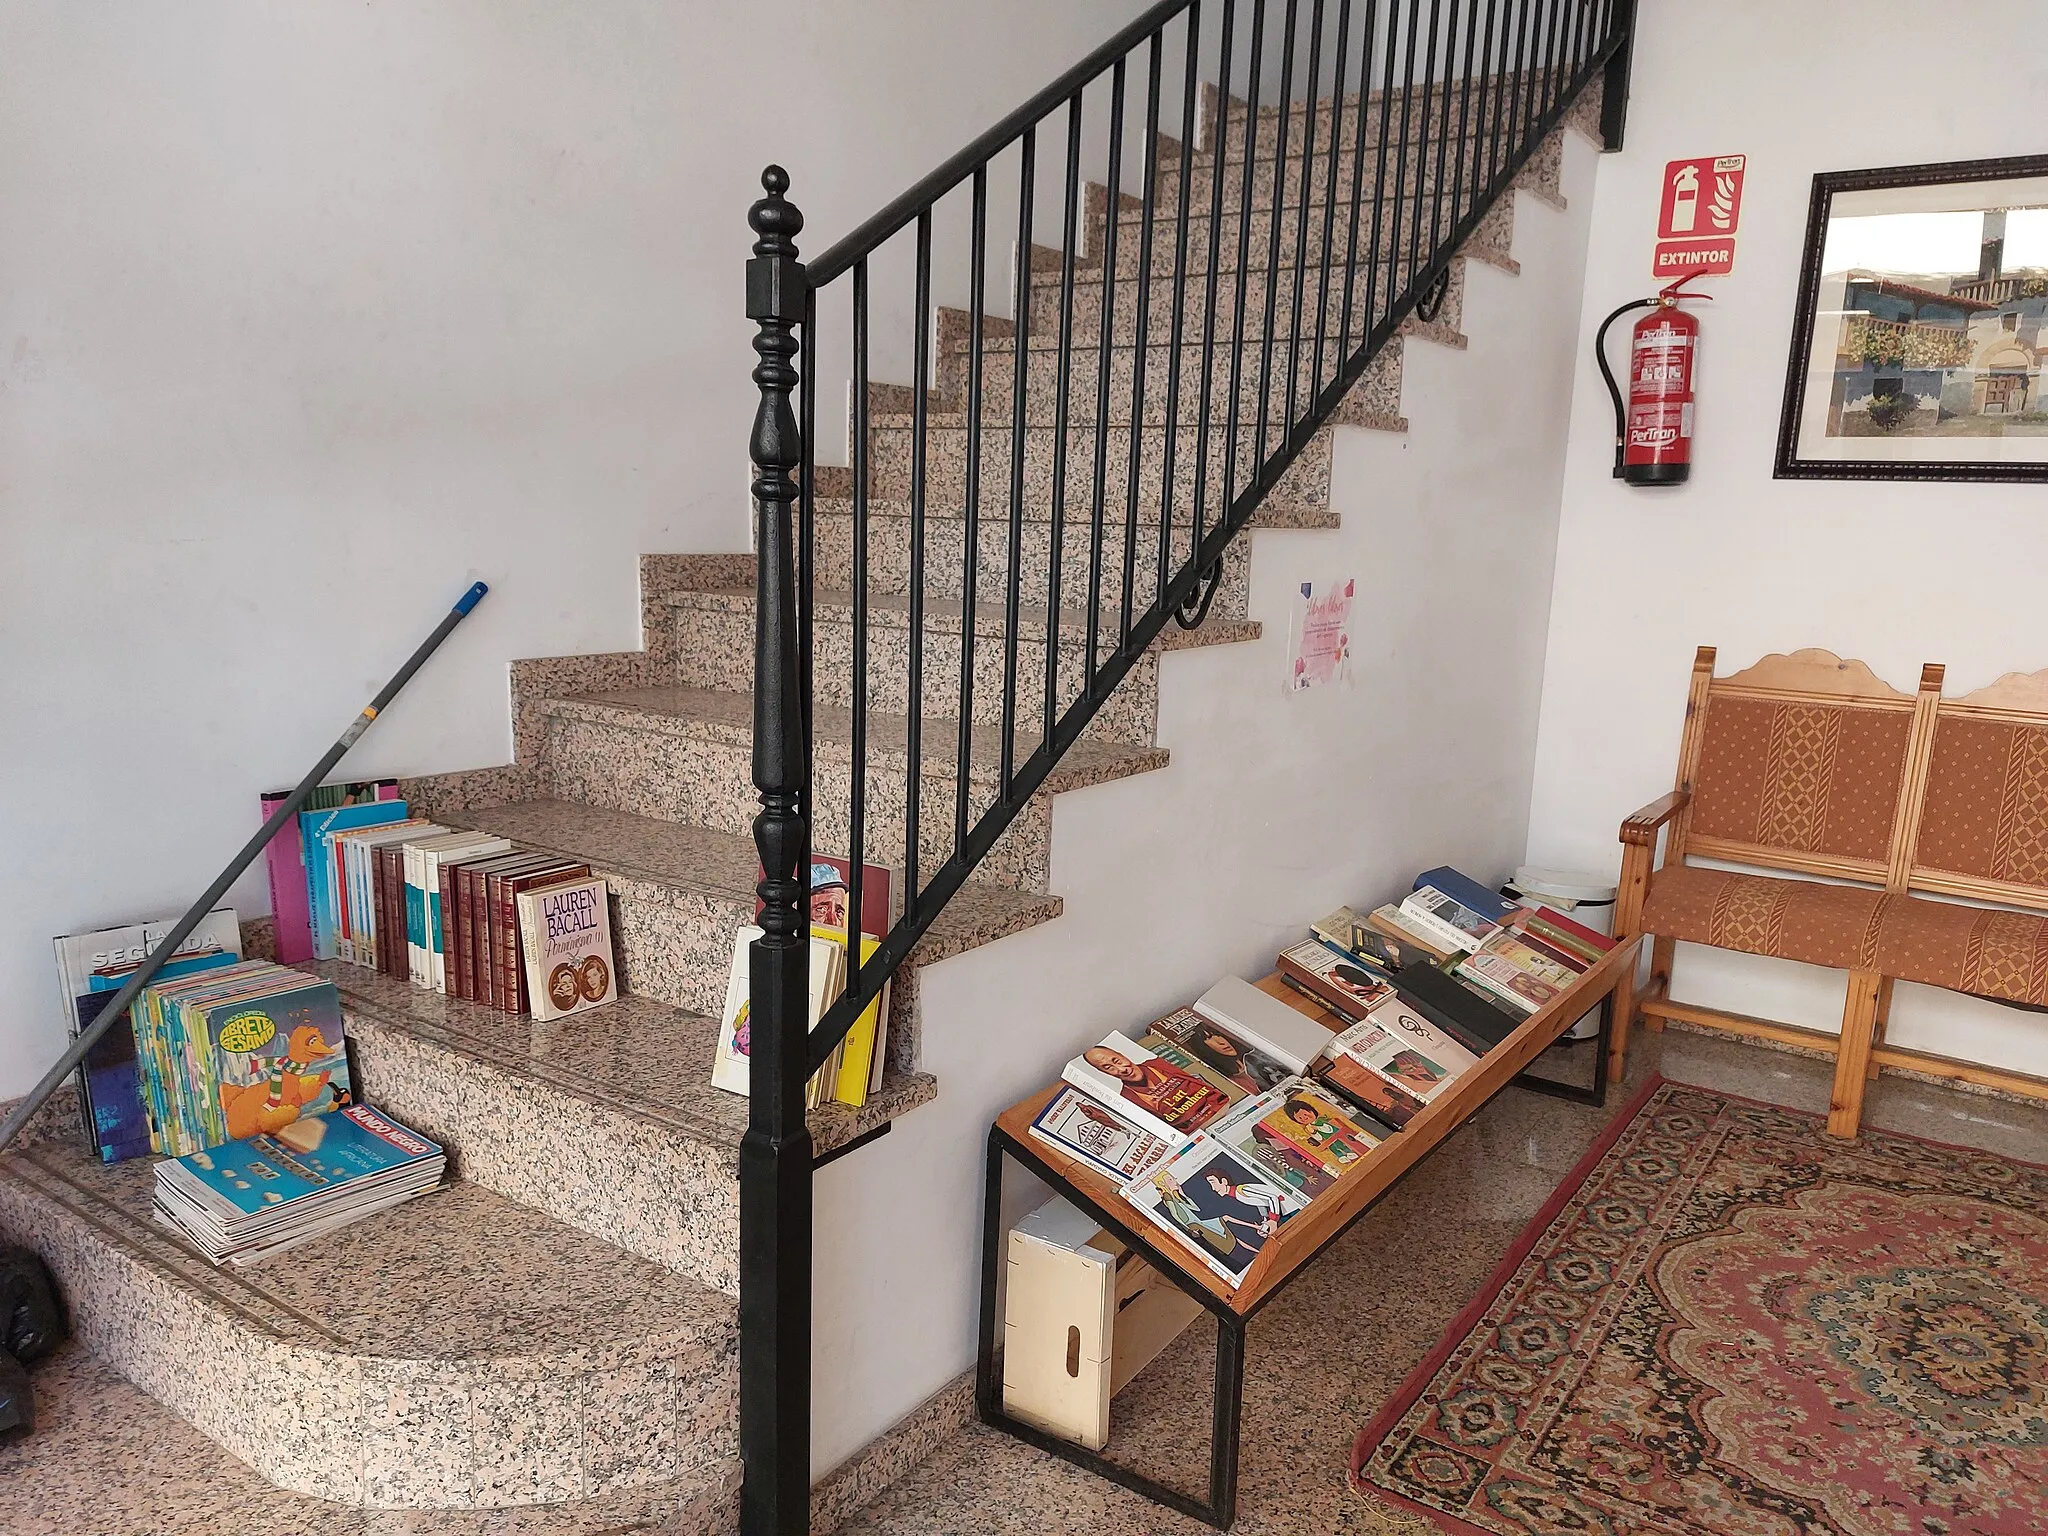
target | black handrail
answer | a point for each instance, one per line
(1445, 102)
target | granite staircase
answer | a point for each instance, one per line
(557, 1328)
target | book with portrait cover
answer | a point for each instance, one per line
(1216, 1205)
(565, 932)
(1147, 1090)
(1405, 1024)
(1302, 1133)
(1334, 978)
(881, 894)
(1083, 1129)
(1250, 1069)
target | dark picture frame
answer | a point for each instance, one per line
(1932, 404)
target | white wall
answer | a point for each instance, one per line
(312, 314)
(1895, 573)
(1275, 808)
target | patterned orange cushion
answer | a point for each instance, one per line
(1966, 949)
(1833, 925)
(1811, 778)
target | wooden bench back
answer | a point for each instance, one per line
(1807, 763)
(1983, 827)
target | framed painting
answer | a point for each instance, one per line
(1918, 341)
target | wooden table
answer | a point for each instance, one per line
(1327, 1218)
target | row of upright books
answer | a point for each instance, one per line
(1224, 1120)
(464, 913)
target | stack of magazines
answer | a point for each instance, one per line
(244, 1200)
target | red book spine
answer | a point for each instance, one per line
(394, 873)
(383, 951)
(505, 936)
(467, 881)
(481, 981)
(447, 883)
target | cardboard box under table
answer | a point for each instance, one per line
(1063, 1421)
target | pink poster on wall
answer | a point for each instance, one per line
(1320, 641)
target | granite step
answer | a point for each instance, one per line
(1375, 399)
(685, 754)
(607, 1122)
(945, 570)
(1199, 304)
(459, 1351)
(715, 638)
(681, 892)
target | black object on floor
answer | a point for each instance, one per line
(31, 1325)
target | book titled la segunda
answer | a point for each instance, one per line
(566, 934)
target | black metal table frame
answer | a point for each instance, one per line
(1225, 1428)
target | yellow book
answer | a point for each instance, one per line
(857, 1055)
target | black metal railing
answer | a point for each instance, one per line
(1115, 464)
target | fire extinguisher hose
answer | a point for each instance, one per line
(1607, 373)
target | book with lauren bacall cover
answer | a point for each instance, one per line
(1218, 1205)
(1077, 1125)
(1152, 1093)
(566, 932)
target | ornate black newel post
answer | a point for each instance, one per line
(775, 1156)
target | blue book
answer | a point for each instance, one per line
(316, 833)
(1468, 892)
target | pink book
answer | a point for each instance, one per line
(286, 861)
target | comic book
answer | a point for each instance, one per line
(1217, 1205)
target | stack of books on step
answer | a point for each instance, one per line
(248, 1199)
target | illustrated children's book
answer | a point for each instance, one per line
(1081, 1128)
(91, 968)
(1300, 1133)
(242, 1201)
(1150, 1092)
(1217, 1205)
(566, 932)
(881, 894)
(285, 859)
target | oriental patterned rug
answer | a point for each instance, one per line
(1726, 1324)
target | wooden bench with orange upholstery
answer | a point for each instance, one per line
(1900, 830)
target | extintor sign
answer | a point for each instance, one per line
(1702, 204)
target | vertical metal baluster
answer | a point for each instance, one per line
(1367, 37)
(775, 1153)
(1510, 105)
(1027, 175)
(921, 366)
(1221, 152)
(1143, 355)
(1619, 27)
(1244, 240)
(1276, 217)
(1308, 160)
(1107, 329)
(1188, 126)
(1445, 88)
(1374, 258)
(807, 565)
(970, 549)
(1398, 274)
(1540, 73)
(1489, 96)
(1330, 185)
(1417, 254)
(1062, 390)
(863, 467)
(1460, 202)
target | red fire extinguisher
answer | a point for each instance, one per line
(1653, 431)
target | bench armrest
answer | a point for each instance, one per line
(1641, 828)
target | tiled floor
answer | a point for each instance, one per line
(1322, 1358)
(109, 1461)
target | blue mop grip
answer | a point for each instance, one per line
(471, 598)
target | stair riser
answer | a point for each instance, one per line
(1380, 386)
(709, 642)
(388, 1434)
(945, 570)
(1305, 485)
(1404, 225)
(710, 783)
(1417, 101)
(1420, 168)
(586, 1164)
(1198, 304)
